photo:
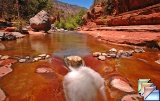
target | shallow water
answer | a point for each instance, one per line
(23, 84)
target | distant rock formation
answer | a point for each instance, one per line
(124, 12)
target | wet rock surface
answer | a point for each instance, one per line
(44, 70)
(4, 70)
(2, 95)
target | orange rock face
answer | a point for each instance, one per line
(125, 12)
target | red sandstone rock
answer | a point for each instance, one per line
(2, 95)
(132, 97)
(36, 33)
(121, 85)
(8, 61)
(139, 12)
(123, 37)
(10, 29)
(4, 70)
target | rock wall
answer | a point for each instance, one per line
(124, 12)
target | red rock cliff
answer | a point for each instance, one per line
(124, 12)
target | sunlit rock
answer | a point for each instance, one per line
(102, 58)
(74, 61)
(113, 50)
(22, 60)
(158, 62)
(41, 21)
(96, 54)
(104, 54)
(5, 57)
(42, 55)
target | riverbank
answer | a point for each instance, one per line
(131, 35)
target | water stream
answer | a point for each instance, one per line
(24, 84)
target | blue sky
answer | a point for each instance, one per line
(82, 3)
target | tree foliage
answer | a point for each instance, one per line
(72, 21)
(27, 8)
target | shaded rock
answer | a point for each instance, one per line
(18, 35)
(121, 85)
(41, 21)
(74, 61)
(5, 57)
(101, 58)
(10, 29)
(2, 95)
(9, 36)
(22, 60)
(25, 31)
(4, 70)
(1, 35)
(44, 70)
(113, 50)
(157, 61)
(119, 53)
(96, 54)
(132, 97)
(113, 55)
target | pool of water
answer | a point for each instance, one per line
(24, 84)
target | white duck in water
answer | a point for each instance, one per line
(82, 83)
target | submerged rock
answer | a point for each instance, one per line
(44, 70)
(4, 70)
(2, 95)
(121, 85)
(8, 61)
(132, 97)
